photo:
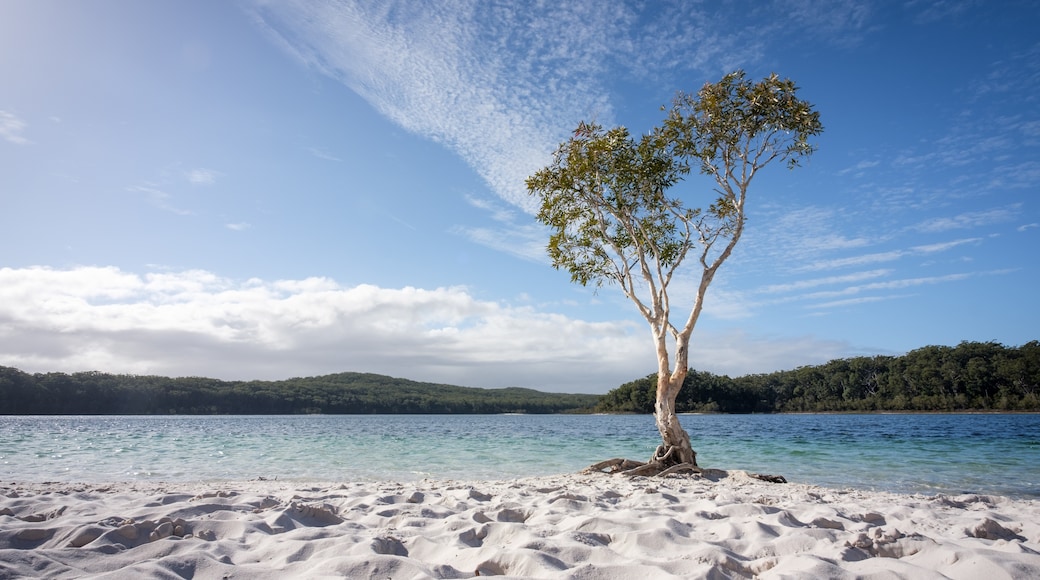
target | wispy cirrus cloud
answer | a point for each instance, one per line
(988, 145)
(12, 128)
(969, 220)
(890, 285)
(1021, 175)
(502, 84)
(941, 246)
(159, 198)
(859, 169)
(859, 293)
(513, 235)
(498, 84)
(322, 154)
(841, 22)
(797, 238)
(202, 176)
(926, 12)
(1012, 75)
(854, 301)
(889, 256)
(829, 280)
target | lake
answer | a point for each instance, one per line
(927, 453)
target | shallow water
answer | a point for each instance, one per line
(996, 454)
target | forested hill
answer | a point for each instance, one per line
(90, 393)
(973, 376)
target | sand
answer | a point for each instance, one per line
(727, 525)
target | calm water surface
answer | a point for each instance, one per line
(906, 453)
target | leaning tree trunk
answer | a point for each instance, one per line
(675, 448)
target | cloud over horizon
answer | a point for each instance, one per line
(303, 187)
(195, 323)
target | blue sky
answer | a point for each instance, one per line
(265, 189)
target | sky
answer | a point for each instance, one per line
(263, 189)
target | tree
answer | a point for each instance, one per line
(606, 201)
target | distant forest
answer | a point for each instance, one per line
(95, 393)
(972, 376)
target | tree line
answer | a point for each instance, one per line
(972, 376)
(96, 393)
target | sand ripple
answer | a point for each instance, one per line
(568, 526)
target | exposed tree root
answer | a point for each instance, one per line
(633, 468)
(616, 465)
(769, 478)
(681, 468)
(667, 455)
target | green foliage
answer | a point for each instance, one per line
(604, 194)
(345, 393)
(973, 376)
(603, 198)
(735, 119)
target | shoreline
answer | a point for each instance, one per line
(728, 525)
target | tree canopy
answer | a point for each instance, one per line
(613, 218)
(972, 376)
(95, 393)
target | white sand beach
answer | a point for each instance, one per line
(568, 526)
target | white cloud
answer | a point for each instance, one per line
(498, 212)
(839, 21)
(892, 284)
(159, 198)
(969, 220)
(1015, 176)
(737, 353)
(853, 302)
(861, 260)
(897, 284)
(502, 84)
(238, 227)
(202, 176)
(942, 246)
(450, 74)
(12, 127)
(860, 168)
(524, 240)
(796, 236)
(927, 12)
(830, 280)
(322, 154)
(197, 323)
(889, 256)
(1030, 128)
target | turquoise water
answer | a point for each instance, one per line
(997, 454)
